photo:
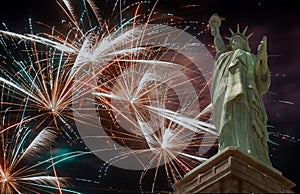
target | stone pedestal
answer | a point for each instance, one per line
(231, 171)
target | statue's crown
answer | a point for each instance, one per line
(238, 33)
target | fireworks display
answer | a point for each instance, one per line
(122, 85)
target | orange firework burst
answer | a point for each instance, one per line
(20, 161)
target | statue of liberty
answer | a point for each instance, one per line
(240, 79)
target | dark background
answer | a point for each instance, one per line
(278, 20)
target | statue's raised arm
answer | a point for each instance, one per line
(215, 23)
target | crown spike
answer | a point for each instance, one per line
(249, 35)
(245, 30)
(238, 28)
(227, 38)
(238, 33)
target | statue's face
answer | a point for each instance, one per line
(238, 42)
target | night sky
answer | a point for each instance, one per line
(278, 20)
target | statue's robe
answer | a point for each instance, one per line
(239, 112)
